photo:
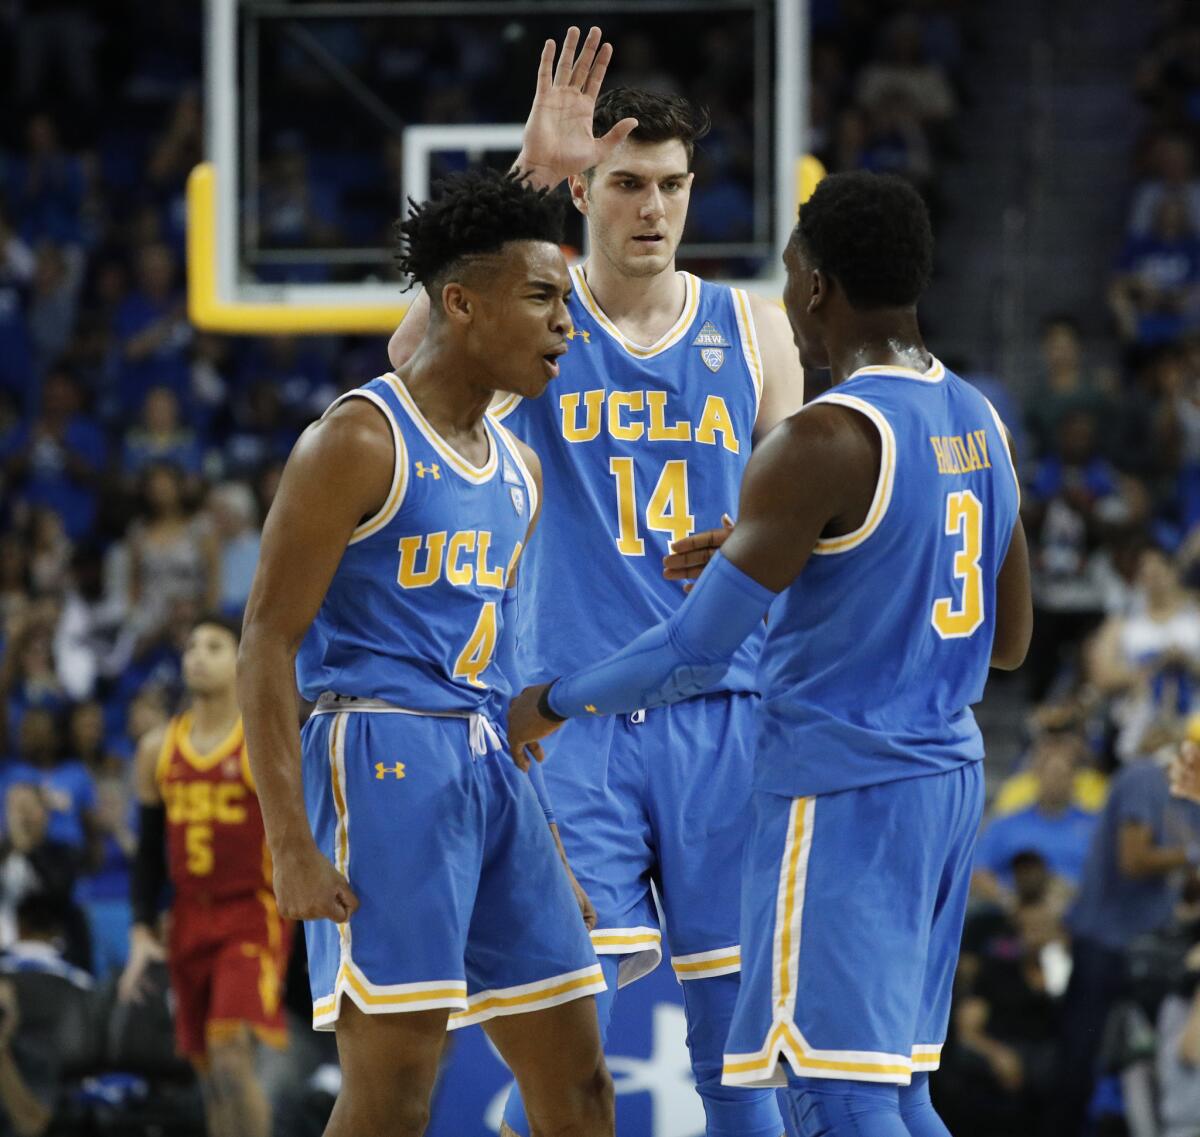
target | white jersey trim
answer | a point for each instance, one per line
(883, 487)
(749, 337)
(1007, 452)
(399, 486)
(934, 373)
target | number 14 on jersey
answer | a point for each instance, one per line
(667, 510)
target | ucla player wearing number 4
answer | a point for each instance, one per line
(400, 828)
(644, 437)
(880, 529)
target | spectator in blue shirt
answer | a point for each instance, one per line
(1145, 845)
(55, 459)
(152, 332)
(161, 437)
(1154, 294)
(67, 786)
(1054, 826)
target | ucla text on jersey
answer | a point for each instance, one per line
(875, 654)
(413, 613)
(653, 442)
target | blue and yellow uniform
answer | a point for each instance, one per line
(868, 770)
(643, 446)
(408, 786)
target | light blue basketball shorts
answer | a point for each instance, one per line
(464, 902)
(852, 914)
(659, 796)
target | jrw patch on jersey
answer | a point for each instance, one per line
(712, 345)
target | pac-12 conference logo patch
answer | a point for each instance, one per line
(712, 346)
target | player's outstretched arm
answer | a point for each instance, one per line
(338, 473)
(817, 468)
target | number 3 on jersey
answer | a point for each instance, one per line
(666, 511)
(964, 514)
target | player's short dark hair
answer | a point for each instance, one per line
(661, 118)
(870, 233)
(220, 620)
(469, 215)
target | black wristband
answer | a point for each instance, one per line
(545, 709)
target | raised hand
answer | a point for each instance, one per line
(558, 137)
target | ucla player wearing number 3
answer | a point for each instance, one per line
(400, 828)
(644, 438)
(880, 528)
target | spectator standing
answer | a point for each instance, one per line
(1144, 846)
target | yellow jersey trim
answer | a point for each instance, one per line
(341, 837)
(501, 410)
(691, 305)
(475, 474)
(206, 762)
(488, 1004)
(399, 484)
(883, 487)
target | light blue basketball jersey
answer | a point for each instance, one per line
(639, 446)
(413, 613)
(875, 653)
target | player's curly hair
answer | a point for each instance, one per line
(871, 233)
(660, 117)
(469, 215)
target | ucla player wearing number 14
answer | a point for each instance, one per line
(644, 438)
(880, 528)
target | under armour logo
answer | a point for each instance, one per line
(433, 471)
(587, 336)
(381, 771)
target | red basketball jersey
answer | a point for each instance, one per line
(216, 844)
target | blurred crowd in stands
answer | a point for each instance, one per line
(139, 456)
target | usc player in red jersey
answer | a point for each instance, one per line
(227, 947)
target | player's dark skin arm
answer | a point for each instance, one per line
(339, 473)
(814, 476)
(1014, 598)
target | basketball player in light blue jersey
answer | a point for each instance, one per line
(644, 437)
(399, 827)
(879, 528)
